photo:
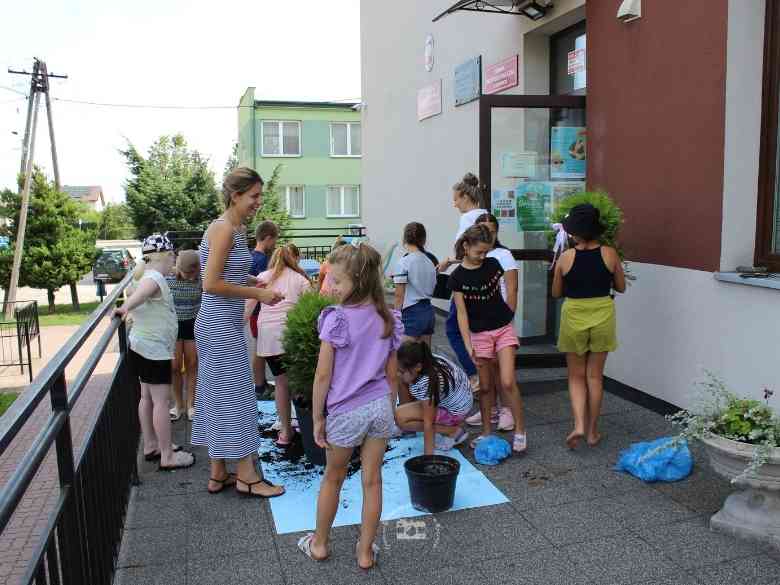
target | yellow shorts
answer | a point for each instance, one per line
(588, 325)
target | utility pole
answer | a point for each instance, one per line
(39, 84)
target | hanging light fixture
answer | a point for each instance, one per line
(534, 10)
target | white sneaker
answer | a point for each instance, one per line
(520, 443)
(175, 414)
(475, 420)
(506, 421)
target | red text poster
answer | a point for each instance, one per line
(501, 75)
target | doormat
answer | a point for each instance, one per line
(296, 510)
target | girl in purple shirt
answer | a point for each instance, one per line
(356, 384)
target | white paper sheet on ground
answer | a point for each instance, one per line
(296, 510)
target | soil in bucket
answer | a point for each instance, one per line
(432, 480)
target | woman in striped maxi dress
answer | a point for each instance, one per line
(226, 407)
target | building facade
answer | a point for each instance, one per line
(91, 195)
(678, 109)
(319, 148)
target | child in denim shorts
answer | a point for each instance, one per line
(356, 383)
(415, 281)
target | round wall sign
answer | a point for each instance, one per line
(429, 53)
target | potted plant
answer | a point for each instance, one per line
(301, 344)
(741, 437)
(611, 217)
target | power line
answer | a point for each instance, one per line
(5, 87)
(169, 106)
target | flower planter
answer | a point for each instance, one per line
(314, 453)
(754, 511)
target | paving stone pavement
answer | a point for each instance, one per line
(571, 519)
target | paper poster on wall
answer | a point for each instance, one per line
(577, 63)
(534, 206)
(568, 148)
(562, 190)
(502, 75)
(468, 81)
(504, 207)
(429, 100)
(518, 164)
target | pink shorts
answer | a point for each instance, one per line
(487, 344)
(447, 419)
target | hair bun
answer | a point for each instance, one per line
(471, 179)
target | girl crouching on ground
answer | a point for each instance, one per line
(435, 397)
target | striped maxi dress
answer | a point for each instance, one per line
(225, 403)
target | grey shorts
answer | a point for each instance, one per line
(373, 420)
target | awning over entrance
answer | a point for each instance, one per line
(533, 9)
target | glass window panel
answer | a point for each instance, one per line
(296, 202)
(339, 139)
(776, 218)
(270, 138)
(351, 200)
(292, 139)
(355, 140)
(334, 201)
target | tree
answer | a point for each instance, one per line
(115, 223)
(56, 251)
(232, 161)
(171, 189)
(273, 208)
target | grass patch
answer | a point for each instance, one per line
(65, 314)
(6, 398)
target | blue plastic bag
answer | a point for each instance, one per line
(665, 464)
(491, 450)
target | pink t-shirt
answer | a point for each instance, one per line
(355, 332)
(273, 318)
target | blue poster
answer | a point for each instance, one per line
(534, 206)
(568, 148)
(468, 81)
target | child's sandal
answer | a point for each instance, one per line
(304, 545)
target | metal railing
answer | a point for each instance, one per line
(16, 336)
(80, 543)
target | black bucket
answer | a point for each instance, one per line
(314, 453)
(432, 480)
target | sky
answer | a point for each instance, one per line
(166, 53)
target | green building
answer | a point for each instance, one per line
(318, 145)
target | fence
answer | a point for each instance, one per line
(16, 336)
(81, 541)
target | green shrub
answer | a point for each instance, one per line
(301, 342)
(611, 219)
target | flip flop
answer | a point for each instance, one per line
(304, 545)
(374, 550)
(223, 483)
(155, 455)
(179, 463)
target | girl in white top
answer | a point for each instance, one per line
(286, 277)
(467, 199)
(152, 341)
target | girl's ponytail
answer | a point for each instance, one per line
(285, 257)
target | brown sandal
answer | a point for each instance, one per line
(223, 483)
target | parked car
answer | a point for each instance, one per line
(113, 265)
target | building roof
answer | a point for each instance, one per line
(295, 104)
(84, 193)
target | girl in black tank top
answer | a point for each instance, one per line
(586, 276)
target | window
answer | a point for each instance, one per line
(343, 201)
(281, 138)
(295, 201)
(345, 139)
(768, 219)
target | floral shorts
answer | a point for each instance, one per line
(373, 420)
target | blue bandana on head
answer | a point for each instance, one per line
(156, 243)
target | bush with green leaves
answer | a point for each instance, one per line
(301, 343)
(611, 218)
(722, 413)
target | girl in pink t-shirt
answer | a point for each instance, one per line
(356, 379)
(287, 278)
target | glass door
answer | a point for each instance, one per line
(532, 155)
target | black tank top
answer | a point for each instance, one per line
(589, 277)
